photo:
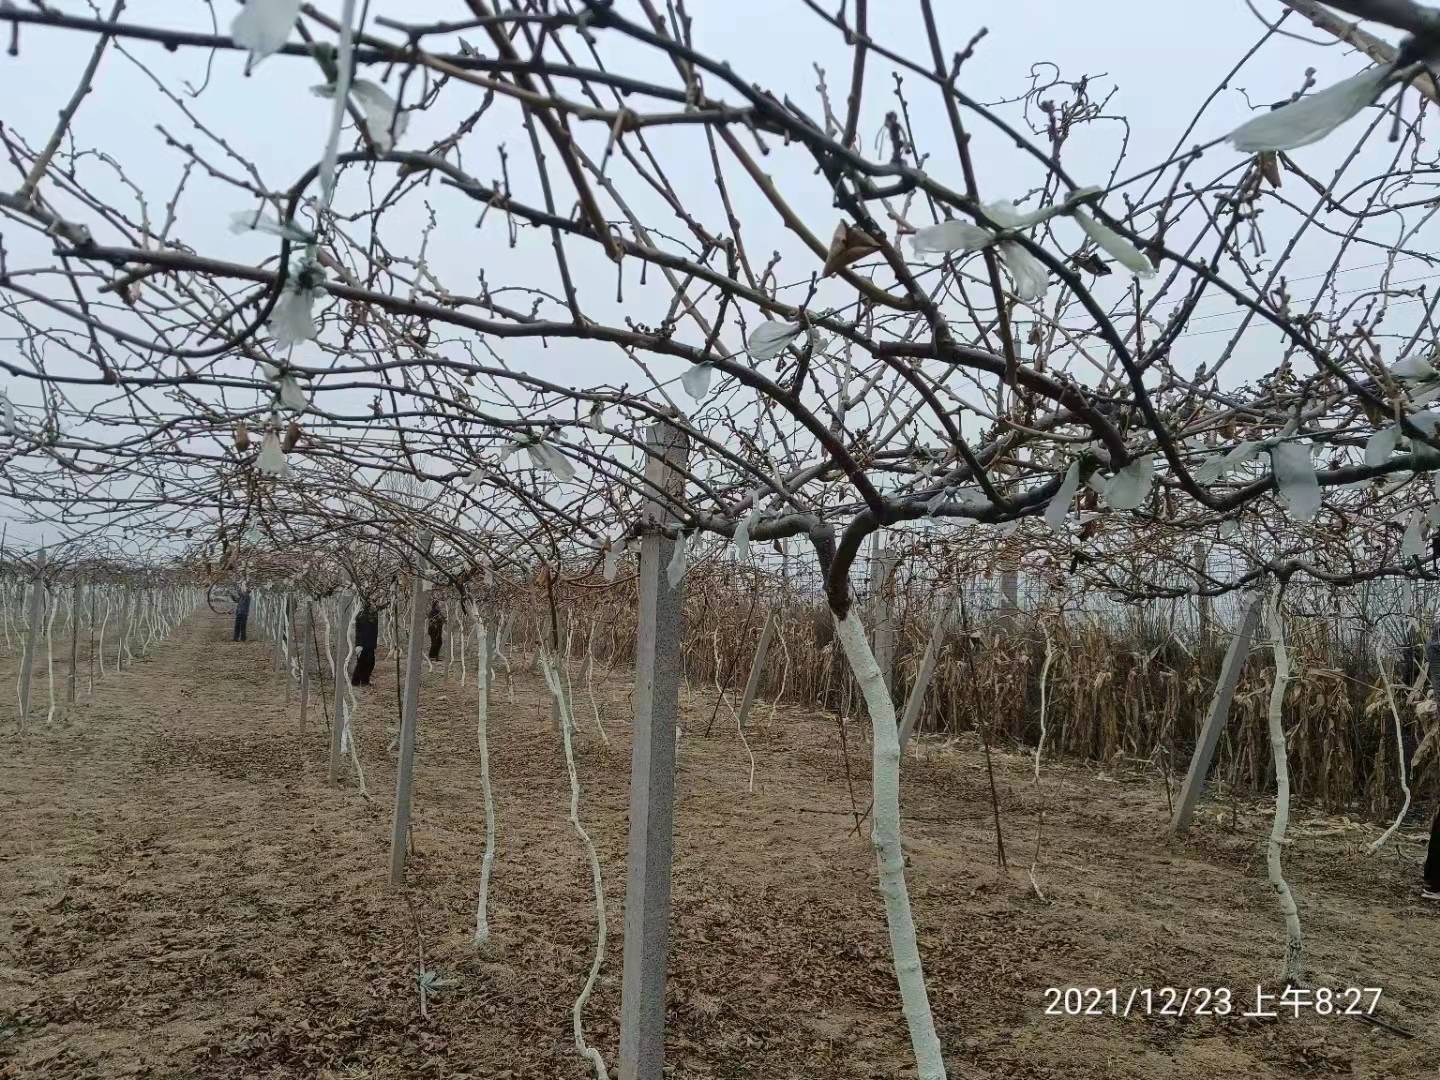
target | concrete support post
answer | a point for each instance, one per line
(757, 666)
(927, 671)
(652, 772)
(882, 574)
(1230, 670)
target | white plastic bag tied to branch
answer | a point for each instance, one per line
(383, 121)
(272, 457)
(742, 535)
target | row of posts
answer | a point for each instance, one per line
(142, 610)
(652, 786)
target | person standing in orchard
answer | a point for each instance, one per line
(367, 637)
(436, 625)
(242, 612)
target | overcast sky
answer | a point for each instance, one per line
(1162, 59)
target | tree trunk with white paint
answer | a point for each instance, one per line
(1288, 909)
(567, 725)
(1380, 661)
(482, 682)
(885, 836)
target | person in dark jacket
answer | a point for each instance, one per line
(242, 613)
(367, 637)
(436, 625)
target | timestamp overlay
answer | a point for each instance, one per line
(1220, 1001)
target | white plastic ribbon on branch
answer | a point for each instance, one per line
(1412, 546)
(7, 415)
(1031, 277)
(1295, 477)
(742, 535)
(272, 457)
(1415, 368)
(612, 559)
(544, 456)
(291, 321)
(676, 570)
(263, 26)
(1115, 245)
(696, 380)
(1312, 117)
(1217, 467)
(381, 113)
(950, 236)
(383, 119)
(243, 221)
(291, 396)
(1128, 488)
(768, 340)
(1380, 446)
(1059, 505)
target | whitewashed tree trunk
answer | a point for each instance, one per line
(50, 655)
(1288, 909)
(482, 683)
(1380, 661)
(885, 835)
(590, 682)
(567, 725)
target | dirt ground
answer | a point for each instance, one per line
(182, 895)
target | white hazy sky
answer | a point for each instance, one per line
(1162, 59)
